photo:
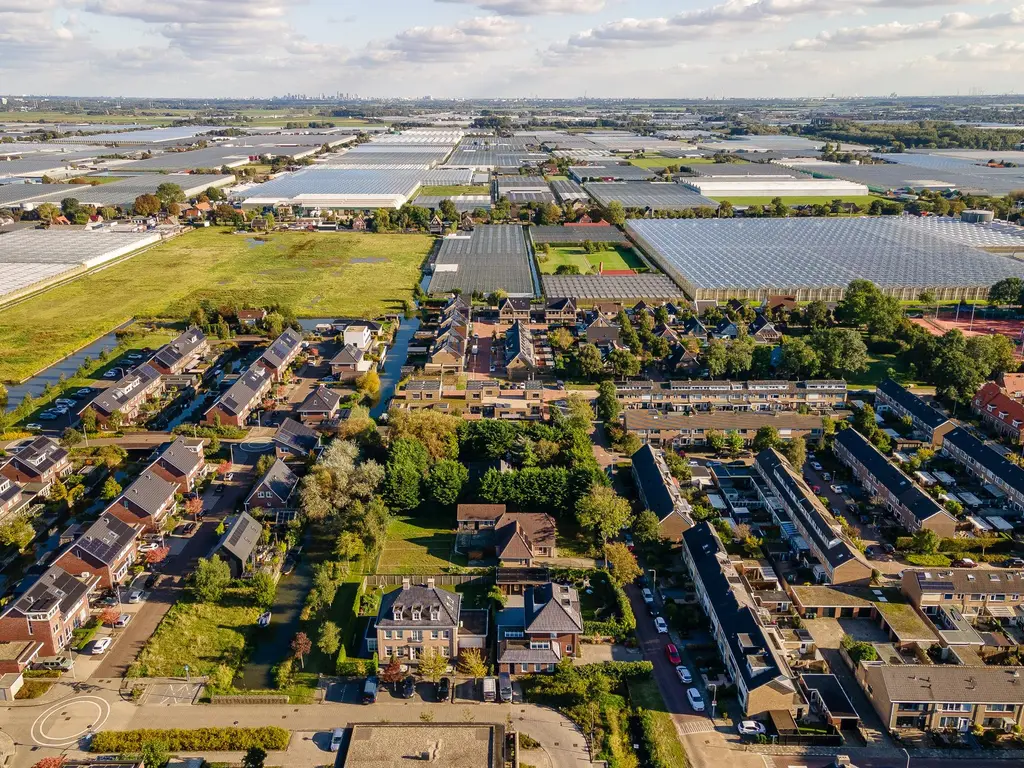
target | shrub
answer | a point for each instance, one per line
(229, 739)
(939, 561)
(652, 744)
(858, 651)
(526, 741)
(283, 673)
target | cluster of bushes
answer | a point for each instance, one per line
(858, 651)
(223, 430)
(652, 744)
(621, 627)
(193, 740)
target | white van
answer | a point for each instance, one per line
(336, 738)
(490, 688)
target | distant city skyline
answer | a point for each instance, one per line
(511, 48)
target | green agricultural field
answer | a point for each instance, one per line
(862, 200)
(654, 162)
(454, 190)
(315, 274)
(166, 117)
(419, 545)
(619, 258)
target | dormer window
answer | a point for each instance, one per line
(396, 613)
(416, 613)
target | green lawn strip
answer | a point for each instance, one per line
(616, 258)
(863, 200)
(666, 747)
(655, 162)
(419, 545)
(325, 274)
(454, 190)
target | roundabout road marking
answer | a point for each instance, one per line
(96, 711)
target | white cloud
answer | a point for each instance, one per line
(454, 43)
(1009, 51)
(533, 7)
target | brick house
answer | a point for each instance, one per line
(321, 405)
(37, 465)
(55, 605)
(999, 411)
(105, 550)
(520, 357)
(350, 363)
(275, 492)
(182, 353)
(660, 493)
(11, 497)
(146, 502)
(415, 620)
(251, 317)
(182, 463)
(903, 403)
(512, 309)
(544, 631)
(235, 405)
(293, 439)
(282, 353)
(561, 312)
(127, 395)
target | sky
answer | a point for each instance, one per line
(511, 48)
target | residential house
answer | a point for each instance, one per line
(15, 658)
(832, 556)
(561, 312)
(913, 508)
(146, 502)
(477, 390)
(511, 310)
(820, 395)
(663, 331)
(239, 542)
(695, 328)
(544, 631)
(478, 517)
(418, 620)
(12, 500)
(55, 605)
(660, 493)
(451, 343)
(275, 493)
(944, 696)
(182, 463)
(664, 430)
(601, 331)
(251, 317)
(282, 353)
(520, 357)
(235, 405)
(423, 390)
(751, 651)
(321, 405)
(763, 331)
(1013, 383)
(522, 537)
(37, 465)
(358, 335)
(974, 592)
(903, 403)
(683, 361)
(128, 395)
(182, 353)
(999, 411)
(295, 439)
(986, 464)
(350, 363)
(107, 549)
(727, 329)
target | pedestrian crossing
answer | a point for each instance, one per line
(692, 726)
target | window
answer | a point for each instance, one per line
(415, 615)
(540, 645)
(956, 707)
(947, 597)
(997, 598)
(444, 634)
(568, 648)
(387, 650)
(387, 634)
(536, 667)
(444, 651)
(524, 667)
(976, 597)
(513, 634)
(949, 722)
(399, 633)
(906, 707)
(1000, 707)
(416, 635)
(433, 634)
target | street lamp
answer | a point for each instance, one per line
(654, 579)
(908, 756)
(714, 698)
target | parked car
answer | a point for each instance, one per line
(684, 675)
(816, 466)
(490, 688)
(641, 581)
(505, 687)
(58, 662)
(65, 402)
(135, 596)
(83, 392)
(673, 654)
(189, 528)
(229, 477)
(837, 489)
(887, 548)
(750, 728)
(148, 546)
(964, 562)
(33, 427)
(101, 645)
(151, 580)
(264, 619)
(408, 687)
(370, 690)
(444, 688)
(1014, 562)
(694, 697)
(47, 416)
(826, 476)
(661, 625)
(648, 595)
(337, 737)
(123, 620)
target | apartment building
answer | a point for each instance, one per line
(820, 395)
(544, 631)
(105, 550)
(753, 654)
(986, 464)
(944, 696)
(37, 465)
(832, 556)
(974, 592)
(127, 396)
(660, 493)
(1000, 412)
(417, 620)
(182, 353)
(241, 399)
(55, 605)
(901, 403)
(912, 507)
(676, 429)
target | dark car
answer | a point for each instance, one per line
(641, 581)
(887, 548)
(188, 529)
(151, 580)
(408, 687)
(1014, 562)
(444, 689)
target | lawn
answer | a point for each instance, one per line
(618, 258)
(862, 200)
(645, 694)
(655, 162)
(419, 545)
(208, 637)
(454, 190)
(166, 117)
(326, 274)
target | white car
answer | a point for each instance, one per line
(661, 625)
(264, 619)
(135, 596)
(64, 401)
(836, 488)
(61, 409)
(750, 728)
(816, 466)
(83, 392)
(101, 645)
(33, 427)
(123, 620)
(684, 675)
(111, 374)
(693, 696)
(648, 595)
(148, 546)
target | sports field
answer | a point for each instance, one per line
(314, 273)
(862, 200)
(619, 258)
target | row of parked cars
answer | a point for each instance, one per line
(493, 688)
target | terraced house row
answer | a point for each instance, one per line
(819, 395)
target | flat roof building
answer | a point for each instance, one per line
(322, 187)
(490, 258)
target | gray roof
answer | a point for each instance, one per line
(183, 346)
(519, 344)
(653, 482)
(105, 539)
(284, 347)
(350, 354)
(296, 437)
(965, 581)
(321, 400)
(244, 392)
(40, 455)
(446, 606)
(490, 258)
(54, 587)
(1008, 473)
(126, 390)
(917, 407)
(279, 479)
(948, 683)
(242, 537)
(832, 694)
(148, 493)
(181, 456)
(648, 285)
(552, 608)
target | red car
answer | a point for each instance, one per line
(673, 654)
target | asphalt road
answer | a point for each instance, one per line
(897, 760)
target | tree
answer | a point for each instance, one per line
(715, 358)
(448, 210)
(446, 481)
(560, 339)
(864, 304)
(74, 495)
(149, 205)
(925, 541)
(115, 420)
(255, 757)
(406, 467)
(264, 463)
(766, 437)
(798, 359)
(392, 673)
(48, 212)
(621, 562)
(432, 666)
(603, 512)
(624, 363)
(615, 214)
(608, 407)
(1006, 291)
(17, 533)
(71, 437)
(589, 360)
(88, 417)
(841, 351)
(157, 556)
(194, 507)
(263, 588)
(715, 440)
(679, 468)
(734, 443)
(816, 315)
(646, 527)
(111, 489)
(301, 646)
(549, 214)
(795, 452)
(210, 578)
(155, 753)
(381, 220)
(110, 615)
(329, 638)
(471, 664)
(169, 193)
(580, 414)
(739, 355)
(369, 384)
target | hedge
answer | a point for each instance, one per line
(934, 561)
(231, 739)
(652, 744)
(620, 627)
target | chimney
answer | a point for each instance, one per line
(430, 583)
(405, 584)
